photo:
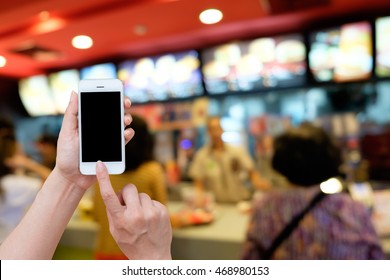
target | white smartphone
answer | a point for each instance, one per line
(101, 128)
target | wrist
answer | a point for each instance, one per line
(64, 180)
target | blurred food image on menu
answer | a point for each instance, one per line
(342, 54)
(255, 64)
(62, 83)
(383, 47)
(99, 71)
(36, 96)
(355, 61)
(162, 78)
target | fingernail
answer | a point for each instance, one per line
(72, 96)
(99, 166)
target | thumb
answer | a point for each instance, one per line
(70, 117)
(109, 197)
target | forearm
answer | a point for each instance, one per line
(38, 234)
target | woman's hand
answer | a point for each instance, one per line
(140, 226)
(67, 163)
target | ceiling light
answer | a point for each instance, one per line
(3, 61)
(140, 29)
(48, 25)
(82, 42)
(44, 15)
(210, 16)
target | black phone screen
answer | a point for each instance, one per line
(101, 126)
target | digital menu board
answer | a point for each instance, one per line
(342, 54)
(160, 78)
(254, 65)
(99, 71)
(35, 94)
(62, 83)
(382, 40)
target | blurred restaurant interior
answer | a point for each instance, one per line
(265, 66)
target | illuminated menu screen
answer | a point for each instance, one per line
(36, 96)
(383, 47)
(160, 78)
(342, 54)
(254, 65)
(99, 71)
(62, 83)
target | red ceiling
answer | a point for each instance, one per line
(171, 25)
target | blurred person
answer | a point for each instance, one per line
(47, 148)
(302, 222)
(222, 169)
(140, 225)
(143, 171)
(17, 190)
(22, 163)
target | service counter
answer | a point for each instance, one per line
(80, 234)
(220, 240)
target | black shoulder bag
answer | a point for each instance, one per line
(291, 226)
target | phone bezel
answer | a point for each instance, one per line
(101, 85)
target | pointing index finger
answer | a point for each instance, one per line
(110, 198)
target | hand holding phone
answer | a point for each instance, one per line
(101, 125)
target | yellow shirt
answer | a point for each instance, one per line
(148, 178)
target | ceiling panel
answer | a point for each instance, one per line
(169, 25)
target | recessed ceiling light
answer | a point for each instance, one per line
(210, 16)
(49, 25)
(44, 15)
(140, 29)
(82, 42)
(3, 61)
